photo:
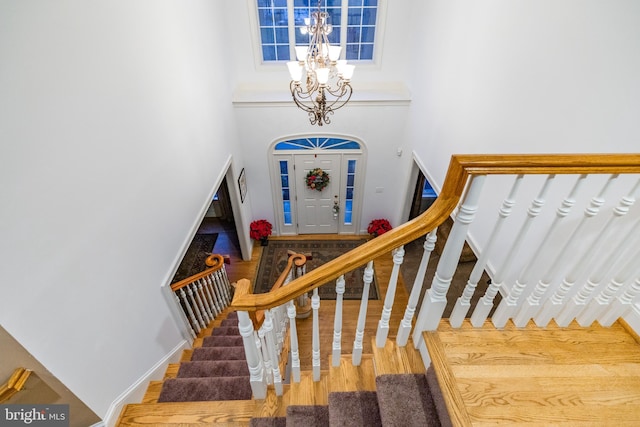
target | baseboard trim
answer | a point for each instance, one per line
(136, 391)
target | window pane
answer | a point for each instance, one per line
(283, 167)
(285, 180)
(350, 179)
(369, 17)
(269, 53)
(353, 35)
(355, 17)
(368, 34)
(267, 35)
(370, 2)
(280, 3)
(282, 52)
(353, 52)
(282, 35)
(351, 167)
(366, 51)
(285, 194)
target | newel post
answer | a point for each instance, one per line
(435, 299)
(245, 325)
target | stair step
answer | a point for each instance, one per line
(405, 401)
(392, 359)
(218, 353)
(347, 377)
(153, 392)
(205, 389)
(212, 368)
(172, 370)
(308, 415)
(354, 408)
(226, 330)
(230, 412)
(222, 341)
(308, 392)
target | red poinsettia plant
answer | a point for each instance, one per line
(378, 227)
(260, 229)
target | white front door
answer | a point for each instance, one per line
(315, 208)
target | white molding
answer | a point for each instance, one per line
(633, 318)
(135, 392)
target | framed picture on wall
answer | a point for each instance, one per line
(242, 185)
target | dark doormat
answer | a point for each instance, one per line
(274, 260)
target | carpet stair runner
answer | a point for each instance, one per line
(400, 400)
(217, 370)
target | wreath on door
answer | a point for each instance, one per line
(317, 179)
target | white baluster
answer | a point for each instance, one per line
(507, 306)
(224, 286)
(221, 302)
(256, 370)
(210, 294)
(202, 302)
(599, 304)
(192, 315)
(464, 302)
(356, 357)
(293, 336)
(270, 339)
(435, 299)
(552, 306)
(383, 323)
(576, 304)
(621, 305)
(265, 355)
(337, 323)
(190, 324)
(405, 324)
(194, 304)
(531, 305)
(315, 360)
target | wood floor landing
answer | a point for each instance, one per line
(571, 376)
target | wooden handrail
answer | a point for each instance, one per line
(294, 258)
(460, 168)
(14, 384)
(214, 261)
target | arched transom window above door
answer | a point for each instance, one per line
(317, 143)
(301, 209)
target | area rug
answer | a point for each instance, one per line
(274, 260)
(193, 262)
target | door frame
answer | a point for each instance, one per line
(295, 182)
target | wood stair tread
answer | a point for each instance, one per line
(529, 375)
(392, 359)
(347, 377)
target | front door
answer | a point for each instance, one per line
(315, 208)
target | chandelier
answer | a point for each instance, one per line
(320, 81)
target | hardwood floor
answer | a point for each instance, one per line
(572, 376)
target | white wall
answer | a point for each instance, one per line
(113, 132)
(533, 76)
(523, 77)
(376, 115)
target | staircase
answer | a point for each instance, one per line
(390, 387)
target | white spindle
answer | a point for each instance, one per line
(383, 323)
(202, 300)
(435, 299)
(293, 337)
(621, 305)
(464, 302)
(599, 304)
(337, 323)
(405, 324)
(189, 323)
(576, 304)
(264, 354)
(362, 315)
(218, 280)
(270, 339)
(256, 371)
(194, 305)
(507, 306)
(552, 306)
(315, 351)
(210, 295)
(192, 316)
(531, 304)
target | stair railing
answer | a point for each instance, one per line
(204, 295)
(540, 278)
